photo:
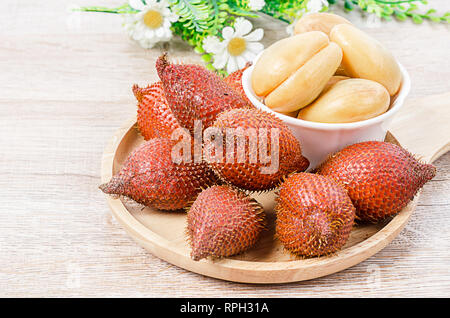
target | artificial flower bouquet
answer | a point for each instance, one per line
(221, 31)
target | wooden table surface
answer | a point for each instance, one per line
(65, 87)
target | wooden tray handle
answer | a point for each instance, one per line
(423, 126)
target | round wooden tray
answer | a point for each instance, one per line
(163, 233)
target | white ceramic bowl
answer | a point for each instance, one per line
(318, 140)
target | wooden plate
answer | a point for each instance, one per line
(163, 233)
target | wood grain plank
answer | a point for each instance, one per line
(65, 88)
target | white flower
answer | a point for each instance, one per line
(238, 47)
(256, 5)
(151, 24)
(290, 28)
(373, 21)
(314, 6)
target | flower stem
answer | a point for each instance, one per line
(396, 2)
(122, 9)
(273, 15)
(96, 9)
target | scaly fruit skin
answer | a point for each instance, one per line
(140, 92)
(148, 176)
(195, 93)
(234, 80)
(223, 222)
(154, 117)
(246, 174)
(380, 177)
(314, 215)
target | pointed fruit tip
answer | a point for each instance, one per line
(196, 255)
(104, 187)
(161, 63)
(430, 171)
(111, 187)
(137, 91)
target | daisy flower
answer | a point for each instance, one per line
(151, 24)
(238, 47)
(256, 5)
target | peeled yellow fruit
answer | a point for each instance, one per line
(319, 22)
(291, 73)
(340, 71)
(291, 114)
(365, 57)
(348, 101)
(333, 80)
(283, 58)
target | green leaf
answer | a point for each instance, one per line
(435, 19)
(387, 17)
(417, 18)
(348, 5)
(206, 58)
(400, 15)
(412, 7)
(199, 49)
(194, 12)
(233, 8)
(388, 10)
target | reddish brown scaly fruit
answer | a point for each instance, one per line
(380, 177)
(150, 177)
(195, 93)
(154, 117)
(234, 80)
(314, 215)
(270, 152)
(222, 222)
(140, 92)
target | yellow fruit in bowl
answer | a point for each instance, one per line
(291, 114)
(348, 101)
(333, 80)
(319, 22)
(292, 72)
(365, 57)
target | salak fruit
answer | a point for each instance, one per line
(380, 177)
(195, 93)
(234, 80)
(259, 150)
(314, 215)
(154, 116)
(150, 177)
(223, 221)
